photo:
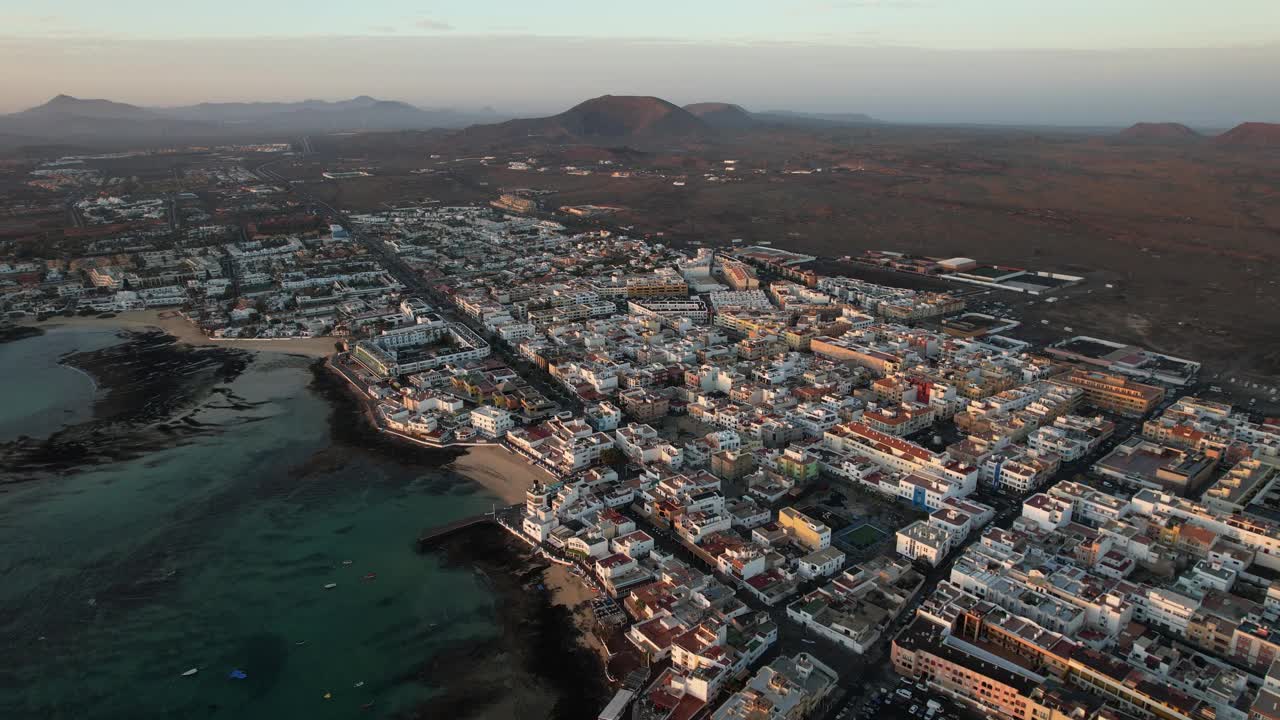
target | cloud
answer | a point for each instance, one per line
(430, 24)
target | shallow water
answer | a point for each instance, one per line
(215, 555)
(40, 395)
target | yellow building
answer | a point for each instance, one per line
(1113, 392)
(808, 532)
(880, 363)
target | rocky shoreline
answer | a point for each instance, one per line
(155, 393)
(537, 667)
(14, 333)
(349, 426)
(149, 387)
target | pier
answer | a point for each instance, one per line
(436, 534)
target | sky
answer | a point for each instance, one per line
(1016, 61)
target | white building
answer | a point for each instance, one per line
(820, 563)
(1048, 513)
(603, 416)
(922, 541)
(635, 544)
(491, 422)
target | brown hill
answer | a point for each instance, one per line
(1251, 134)
(721, 115)
(609, 117)
(1157, 132)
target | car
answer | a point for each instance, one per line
(914, 709)
(904, 693)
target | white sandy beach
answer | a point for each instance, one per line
(178, 327)
(500, 471)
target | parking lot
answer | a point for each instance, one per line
(902, 699)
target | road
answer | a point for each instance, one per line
(173, 212)
(862, 676)
(415, 283)
(71, 201)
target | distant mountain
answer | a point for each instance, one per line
(1149, 132)
(65, 118)
(360, 113)
(720, 115)
(609, 117)
(728, 116)
(1252, 135)
(65, 105)
(789, 117)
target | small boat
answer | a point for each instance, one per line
(328, 696)
(346, 562)
(237, 674)
(300, 643)
(330, 586)
(371, 576)
(359, 684)
(191, 672)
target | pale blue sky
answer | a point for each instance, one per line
(1018, 61)
(918, 23)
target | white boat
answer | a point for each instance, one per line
(330, 586)
(191, 672)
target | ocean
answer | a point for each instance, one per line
(41, 395)
(214, 554)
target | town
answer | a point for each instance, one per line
(794, 494)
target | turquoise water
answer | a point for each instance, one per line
(44, 396)
(215, 555)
